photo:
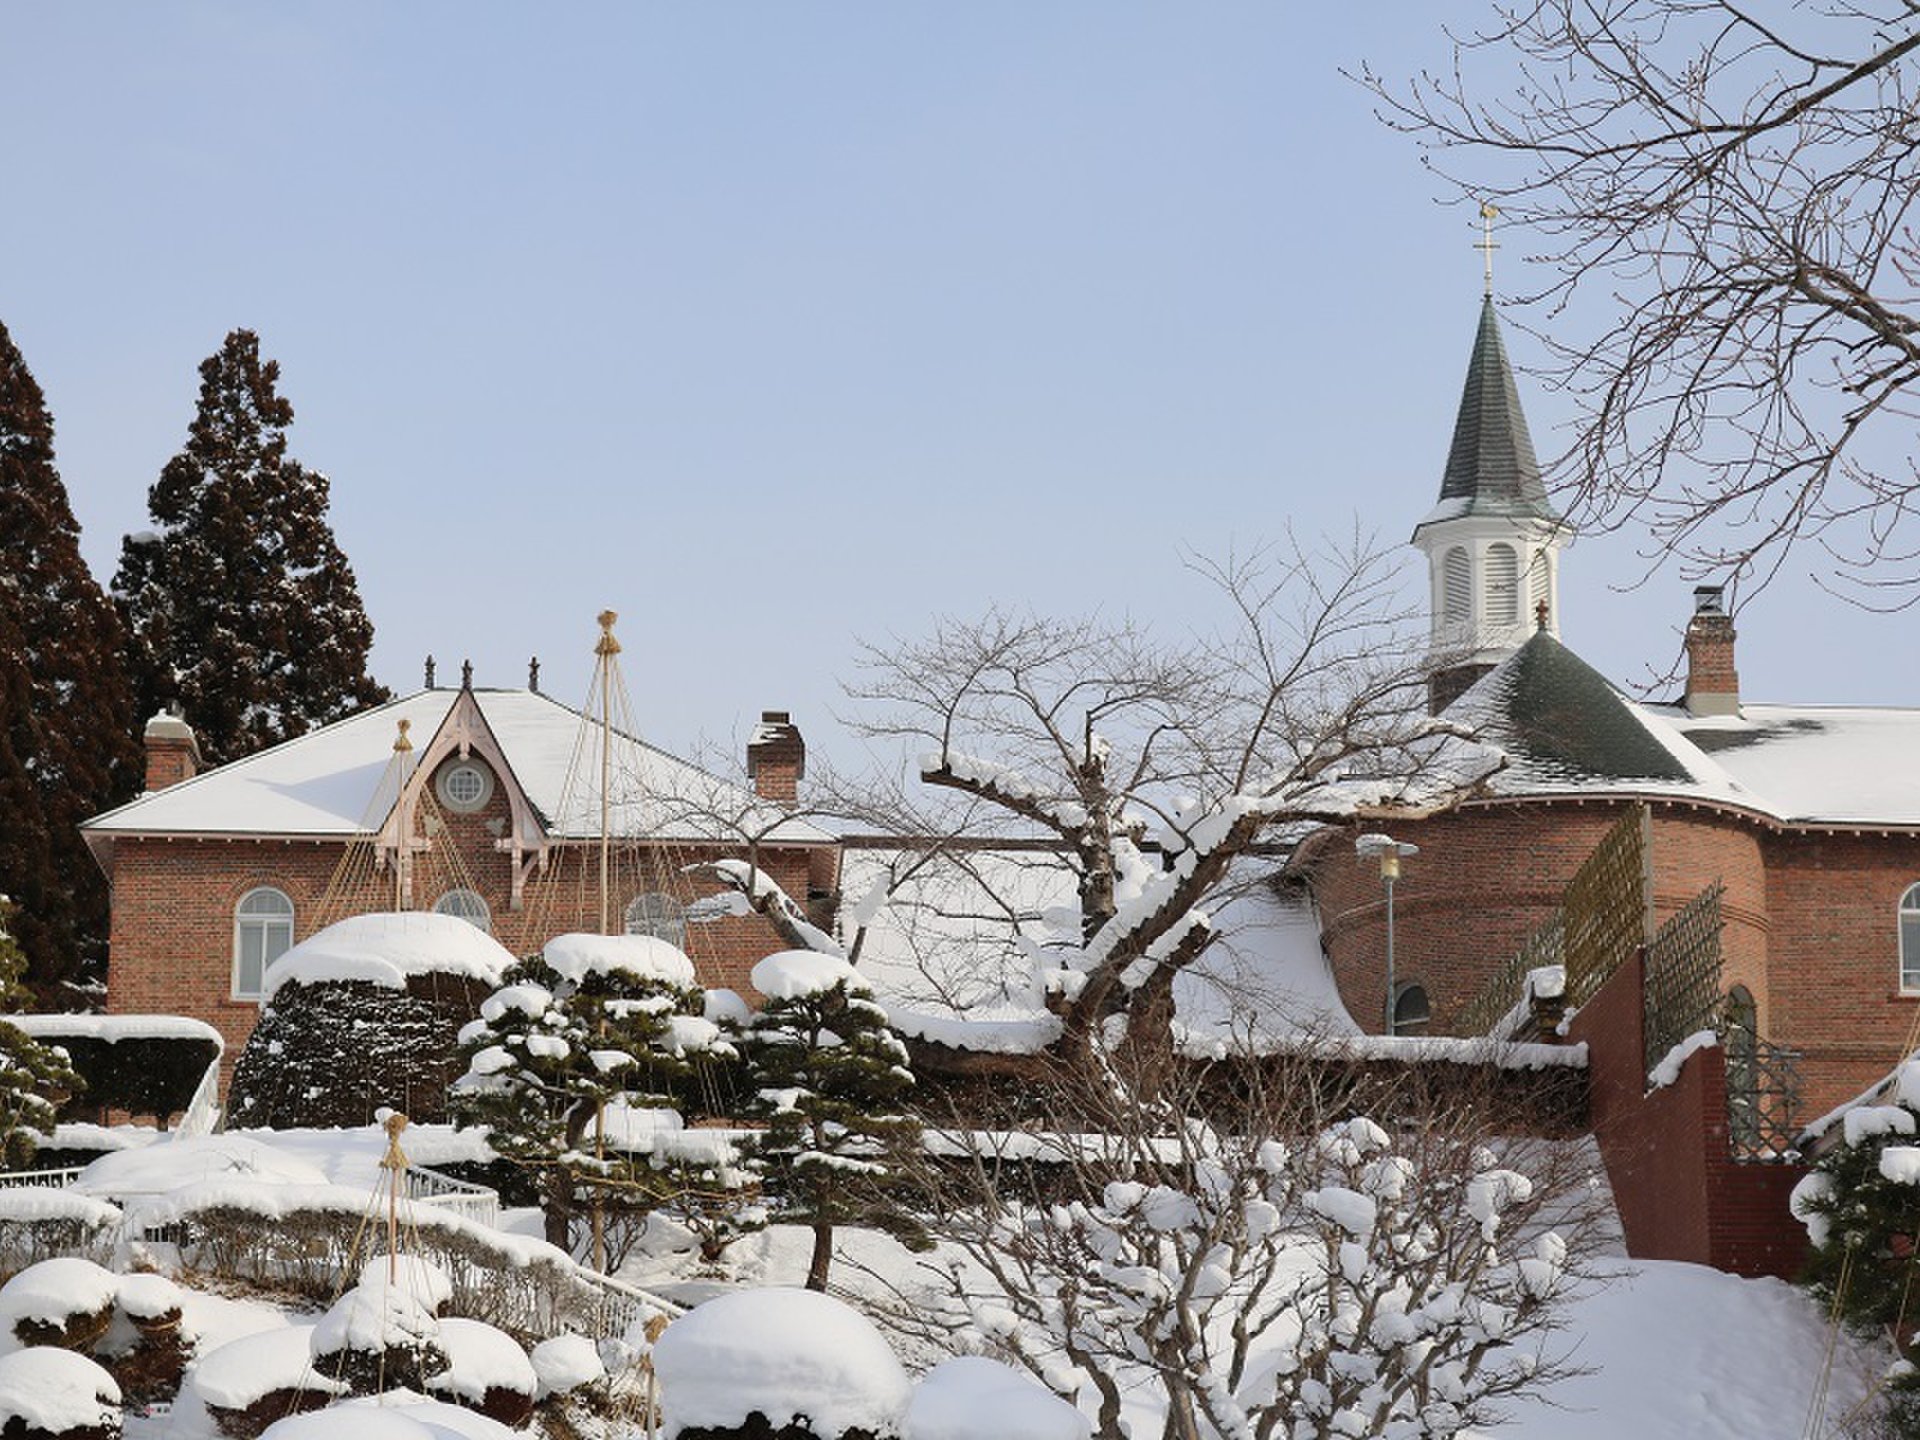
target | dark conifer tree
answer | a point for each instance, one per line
(243, 610)
(69, 741)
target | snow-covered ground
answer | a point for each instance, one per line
(1669, 1350)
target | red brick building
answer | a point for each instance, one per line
(1808, 815)
(478, 802)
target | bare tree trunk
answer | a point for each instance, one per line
(822, 1258)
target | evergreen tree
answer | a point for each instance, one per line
(829, 1075)
(69, 742)
(243, 610)
(596, 1022)
(34, 1078)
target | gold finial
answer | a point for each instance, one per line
(401, 743)
(607, 644)
(1488, 214)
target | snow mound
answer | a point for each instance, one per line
(790, 974)
(240, 1372)
(388, 949)
(725, 1007)
(148, 1296)
(177, 1164)
(42, 1202)
(395, 1416)
(52, 1390)
(783, 1353)
(54, 1290)
(961, 1397)
(642, 957)
(566, 1362)
(374, 1318)
(482, 1358)
(411, 1275)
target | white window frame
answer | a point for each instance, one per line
(1907, 921)
(469, 906)
(656, 913)
(469, 805)
(271, 929)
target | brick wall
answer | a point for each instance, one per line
(1679, 1192)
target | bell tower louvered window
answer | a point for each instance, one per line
(1503, 584)
(1456, 581)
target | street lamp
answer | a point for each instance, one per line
(1390, 852)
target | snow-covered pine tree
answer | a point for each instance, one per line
(595, 1024)
(827, 1076)
(69, 710)
(242, 608)
(33, 1076)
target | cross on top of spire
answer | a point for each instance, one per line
(1487, 244)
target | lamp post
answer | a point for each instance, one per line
(1390, 853)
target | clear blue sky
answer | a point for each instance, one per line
(773, 325)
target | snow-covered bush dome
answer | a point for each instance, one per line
(391, 1417)
(638, 957)
(789, 974)
(65, 1301)
(361, 1015)
(389, 948)
(245, 1371)
(784, 1354)
(961, 1398)
(49, 1391)
(566, 1362)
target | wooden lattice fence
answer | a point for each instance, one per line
(1683, 993)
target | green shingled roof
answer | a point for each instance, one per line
(1491, 467)
(1561, 722)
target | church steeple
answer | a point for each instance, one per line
(1493, 540)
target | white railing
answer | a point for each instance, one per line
(50, 1179)
(426, 1186)
(202, 1115)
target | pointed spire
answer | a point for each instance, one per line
(1491, 465)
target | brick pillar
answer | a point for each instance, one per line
(1713, 685)
(777, 757)
(173, 751)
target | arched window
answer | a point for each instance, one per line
(1456, 586)
(658, 915)
(1503, 584)
(1910, 939)
(262, 933)
(1742, 1029)
(468, 906)
(1411, 1008)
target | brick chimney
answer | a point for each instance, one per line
(777, 757)
(173, 751)
(1713, 685)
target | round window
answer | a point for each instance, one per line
(466, 786)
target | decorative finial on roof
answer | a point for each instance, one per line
(1539, 614)
(533, 674)
(429, 672)
(466, 674)
(1488, 244)
(401, 744)
(607, 645)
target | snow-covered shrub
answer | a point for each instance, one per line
(38, 1223)
(829, 1078)
(1282, 1274)
(149, 1346)
(777, 1362)
(392, 1417)
(139, 1064)
(53, 1394)
(565, 1363)
(365, 1014)
(955, 1399)
(486, 1371)
(378, 1337)
(596, 1021)
(247, 1384)
(1861, 1206)
(65, 1302)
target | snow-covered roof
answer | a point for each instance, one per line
(330, 782)
(955, 954)
(1567, 730)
